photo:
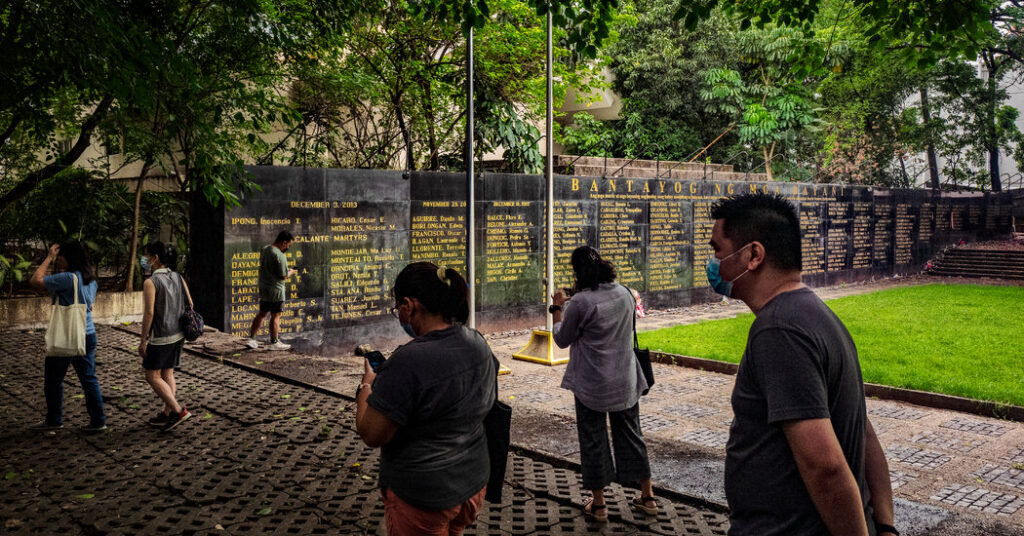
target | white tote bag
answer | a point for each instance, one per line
(66, 335)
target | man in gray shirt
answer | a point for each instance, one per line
(274, 272)
(802, 457)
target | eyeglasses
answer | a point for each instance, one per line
(394, 312)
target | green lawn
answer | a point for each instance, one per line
(964, 340)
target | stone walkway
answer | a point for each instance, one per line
(260, 456)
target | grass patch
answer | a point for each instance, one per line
(963, 340)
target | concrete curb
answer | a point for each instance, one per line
(981, 408)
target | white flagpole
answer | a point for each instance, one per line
(550, 177)
(470, 186)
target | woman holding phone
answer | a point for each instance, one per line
(605, 379)
(425, 407)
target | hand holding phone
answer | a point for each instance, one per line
(376, 359)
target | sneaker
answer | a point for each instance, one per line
(159, 420)
(279, 346)
(94, 428)
(176, 418)
(45, 426)
(252, 343)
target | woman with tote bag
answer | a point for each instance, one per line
(73, 283)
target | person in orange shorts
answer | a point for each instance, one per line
(425, 408)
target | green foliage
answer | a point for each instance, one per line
(76, 204)
(656, 64)
(927, 30)
(397, 95)
(12, 270)
(773, 103)
(586, 136)
(920, 351)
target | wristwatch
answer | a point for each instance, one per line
(882, 527)
(553, 308)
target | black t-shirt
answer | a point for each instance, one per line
(437, 389)
(800, 363)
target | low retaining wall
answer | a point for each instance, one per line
(34, 313)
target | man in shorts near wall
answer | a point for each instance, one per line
(274, 272)
(802, 457)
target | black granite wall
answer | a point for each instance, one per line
(356, 229)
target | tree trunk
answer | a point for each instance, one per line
(933, 162)
(993, 141)
(84, 140)
(767, 162)
(410, 160)
(133, 248)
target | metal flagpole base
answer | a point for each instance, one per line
(542, 349)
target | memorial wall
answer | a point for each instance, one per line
(356, 229)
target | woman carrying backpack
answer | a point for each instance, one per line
(164, 296)
(73, 269)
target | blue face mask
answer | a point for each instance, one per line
(145, 263)
(720, 285)
(408, 329)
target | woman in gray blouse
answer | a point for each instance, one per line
(605, 378)
(164, 296)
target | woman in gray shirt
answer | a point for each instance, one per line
(605, 378)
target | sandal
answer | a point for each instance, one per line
(592, 510)
(640, 503)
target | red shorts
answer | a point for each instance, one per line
(404, 519)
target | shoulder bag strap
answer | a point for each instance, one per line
(185, 305)
(74, 278)
(636, 342)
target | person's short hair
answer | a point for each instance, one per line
(590, 269)
(284, 236)
(766, 218)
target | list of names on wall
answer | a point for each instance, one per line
(355, 230)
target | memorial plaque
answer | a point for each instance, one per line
(812, 236)
(575, 225)
(838, 244)
(904, 221)
(882, 251)
(862, 229)
(355, 229)
(669, 246)
(620, 239)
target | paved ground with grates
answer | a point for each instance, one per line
(260, 456)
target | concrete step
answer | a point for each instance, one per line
(955, 273)
(615, 163)
(682, 174)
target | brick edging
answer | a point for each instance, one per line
(981, 408)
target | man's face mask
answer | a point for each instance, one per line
(720, 285)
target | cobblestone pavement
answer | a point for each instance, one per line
(952, 473)
(260, 456)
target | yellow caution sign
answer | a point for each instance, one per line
(542, 349)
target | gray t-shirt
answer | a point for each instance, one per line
(800, 363)
(273, 270)
(437, 389)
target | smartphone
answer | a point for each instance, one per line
(376, 359)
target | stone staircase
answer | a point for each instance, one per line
(592, 166)
(961, 262)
